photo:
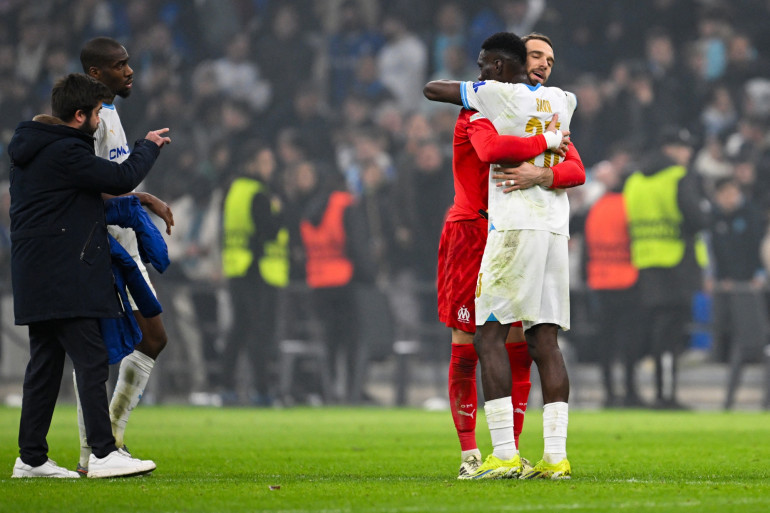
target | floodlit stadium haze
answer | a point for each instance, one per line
(328, 94)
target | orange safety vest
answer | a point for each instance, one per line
(326, 263)
(609, 245)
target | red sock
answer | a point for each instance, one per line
(518, 356)
(462, 393)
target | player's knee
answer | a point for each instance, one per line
(476, 340)
(461, 337)
(541, 340)
(532, 347)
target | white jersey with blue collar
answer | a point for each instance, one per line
(111, 142)
(524, 110)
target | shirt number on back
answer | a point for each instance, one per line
(536, 127)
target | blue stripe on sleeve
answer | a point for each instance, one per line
(464, 96)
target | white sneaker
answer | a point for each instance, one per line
(47, 469)
(118, 464)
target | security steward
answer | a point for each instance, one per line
(255, 261)
(666, 210)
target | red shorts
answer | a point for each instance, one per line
(459, 258)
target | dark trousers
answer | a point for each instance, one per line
(339, 314)
(49, 342)
(665, 330)
(617, 336)
(255, 305)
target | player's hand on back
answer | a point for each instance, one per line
(564, 146)
(159, 137)
(523, 176)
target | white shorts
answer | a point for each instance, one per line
(524, 276)
(127, 238)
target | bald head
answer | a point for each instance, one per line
(98, 52)
(106, 60)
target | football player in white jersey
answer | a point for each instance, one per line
(524, 271)
(107, 61)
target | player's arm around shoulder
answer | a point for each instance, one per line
(493, 98)
(86, 170)
(446, 91)
(493, 148)
(569, 173)
(565, 175)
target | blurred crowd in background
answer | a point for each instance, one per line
(328, 95)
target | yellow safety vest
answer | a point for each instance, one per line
(654, 218)
(239, 228)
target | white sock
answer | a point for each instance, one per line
(499, 414)
(134, 372)
(85, 449)
(464, 455)
(555, 420)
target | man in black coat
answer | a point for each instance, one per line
(60, 267)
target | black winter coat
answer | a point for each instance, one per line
(60, 254)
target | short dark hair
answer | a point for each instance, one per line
(77, 91)
(539, 36)
(96, 52)
(507, 44)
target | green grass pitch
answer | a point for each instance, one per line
(400, 460)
